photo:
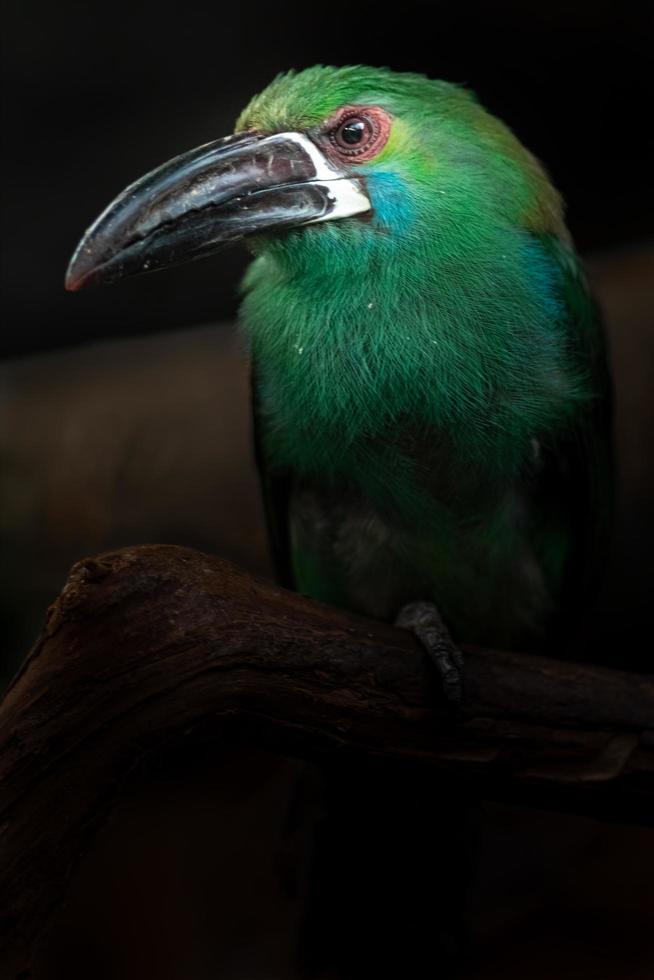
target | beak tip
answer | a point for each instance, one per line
(78, 275)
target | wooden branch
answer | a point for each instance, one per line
(150, 644)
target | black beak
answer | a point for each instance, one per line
(217, 193)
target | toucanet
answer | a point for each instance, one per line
(430, 387)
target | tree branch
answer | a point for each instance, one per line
(150, 644)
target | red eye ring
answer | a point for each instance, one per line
(358, 133)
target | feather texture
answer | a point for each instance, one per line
(431, 382)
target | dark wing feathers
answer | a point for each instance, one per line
(275, 493)
(575, 485)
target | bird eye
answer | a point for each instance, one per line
(353, 132)
(354, 135)
(358, 132)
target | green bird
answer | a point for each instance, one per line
(429, 376)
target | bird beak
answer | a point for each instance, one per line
(220, 192)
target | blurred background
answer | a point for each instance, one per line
(124, 418)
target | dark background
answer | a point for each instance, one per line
(98, 93)
(124, 418)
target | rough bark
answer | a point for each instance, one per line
(149, 646)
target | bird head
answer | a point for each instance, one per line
(325, 161)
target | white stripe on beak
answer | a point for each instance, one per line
(347, 193)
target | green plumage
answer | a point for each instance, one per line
(431, 415)
(430, 382)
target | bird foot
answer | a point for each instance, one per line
(424, 621)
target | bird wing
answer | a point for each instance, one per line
(275, 492)
(574, 492)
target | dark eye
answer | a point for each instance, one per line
(357, 133)
(354, 134)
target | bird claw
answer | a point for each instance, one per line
(424, 621)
